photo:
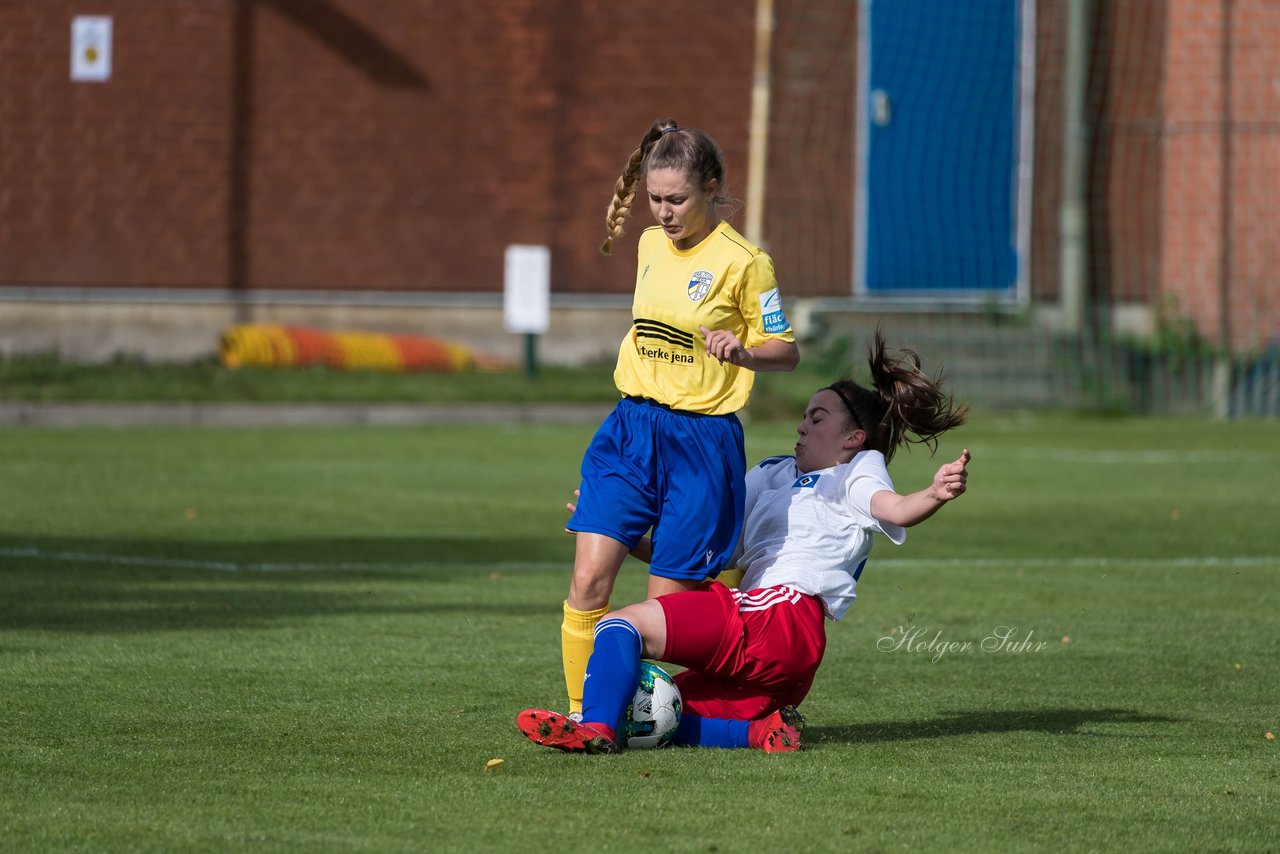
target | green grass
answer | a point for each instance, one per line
(315, 639)
(125, 379)
(49, 378)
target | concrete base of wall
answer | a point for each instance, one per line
(175, 326)
(94, 325)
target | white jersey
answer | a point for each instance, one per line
(811, 531)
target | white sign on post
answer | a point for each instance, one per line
(526, 303)
(91, 48)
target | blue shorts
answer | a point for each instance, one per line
(679, 473)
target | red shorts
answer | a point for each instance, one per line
(748, 653)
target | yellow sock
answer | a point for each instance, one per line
(576, 641)
(730, 577)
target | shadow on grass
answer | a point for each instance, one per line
(108, 586)
(1061, 721)
(427, 554)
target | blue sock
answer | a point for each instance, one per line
(695, 731)
(613, 671)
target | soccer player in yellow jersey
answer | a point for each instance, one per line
(669, 459)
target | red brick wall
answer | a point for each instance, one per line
(1046, 165)
(617, 67)
(809, 215)
(1254, 293)
(123, 183)
(1161, 194)
(401, 145)
(1209, 192)
(396, 145)
(1124, 104)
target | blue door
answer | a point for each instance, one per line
(941, 94)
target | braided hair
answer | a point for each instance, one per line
(665, 146)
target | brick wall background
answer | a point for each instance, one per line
(399, 146)
(1221, 152)
(323, 144)
(810, 181)
(123, 183)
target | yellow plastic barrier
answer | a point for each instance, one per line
(270, 345)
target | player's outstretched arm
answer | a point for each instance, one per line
(773, 355)
(907, 510)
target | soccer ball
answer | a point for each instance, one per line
(654, 713)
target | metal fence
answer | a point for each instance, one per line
(1069, 203)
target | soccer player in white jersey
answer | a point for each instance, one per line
(752, 653)
(706, 316)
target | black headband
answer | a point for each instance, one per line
(848, 406)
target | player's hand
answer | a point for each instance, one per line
(951, 480)
(725, 346)
(572, 508)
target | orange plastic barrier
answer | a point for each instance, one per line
(270, 345)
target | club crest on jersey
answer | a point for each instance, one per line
(806, 481)
(771, 312)
(700, 284)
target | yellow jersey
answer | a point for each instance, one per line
(722, 283)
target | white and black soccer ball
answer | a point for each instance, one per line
(654, 713)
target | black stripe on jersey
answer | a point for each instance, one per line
(683, 345)
(646, 328)
(773, 461)
(659, 326)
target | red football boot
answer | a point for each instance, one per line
(552, 729)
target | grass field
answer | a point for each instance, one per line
(316, 639)
(50, 378)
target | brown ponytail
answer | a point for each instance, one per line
(665, 146)
(624, 191)
(903, 406)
